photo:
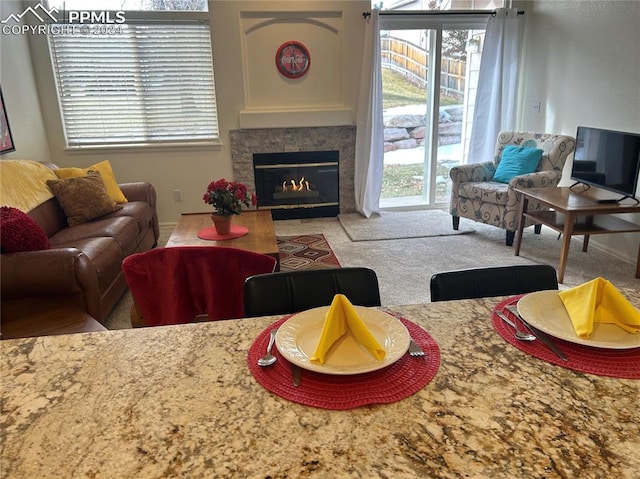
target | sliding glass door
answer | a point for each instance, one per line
(429, 77)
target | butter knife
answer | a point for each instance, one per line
(544, 339)
(296, 373)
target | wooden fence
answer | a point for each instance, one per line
(411, 61)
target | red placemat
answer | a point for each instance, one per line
(209, 233)
(393, 383)
(617, 363)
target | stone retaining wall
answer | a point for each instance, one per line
(407, 130)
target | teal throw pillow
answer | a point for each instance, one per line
(517, 160)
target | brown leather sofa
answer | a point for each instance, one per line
(83, 266)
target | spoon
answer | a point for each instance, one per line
(522, 336)
(268, 359)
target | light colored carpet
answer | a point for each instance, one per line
(405, 266)
(400, 225)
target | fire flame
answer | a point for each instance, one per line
(293, 186)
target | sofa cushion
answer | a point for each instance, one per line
(104, 168)
(123, 230)
(50, 216)
(20, 232)
(83, 198)
(141, 212)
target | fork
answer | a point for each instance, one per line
(415, 350)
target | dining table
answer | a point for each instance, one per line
(185, 401)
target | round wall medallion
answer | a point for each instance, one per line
(292, 59)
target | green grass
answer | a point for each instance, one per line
(398, 181)
(397, 91)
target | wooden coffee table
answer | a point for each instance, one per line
(261, 237)
(572, 213)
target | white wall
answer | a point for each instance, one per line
(580, 59)
(21, 99)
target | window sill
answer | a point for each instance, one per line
(144, 146)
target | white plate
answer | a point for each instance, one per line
(545, 311)
(298, 337)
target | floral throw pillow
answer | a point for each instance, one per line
(19, 232)
(83, 198)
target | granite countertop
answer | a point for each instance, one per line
(180, 401)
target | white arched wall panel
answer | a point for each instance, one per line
(272, 99)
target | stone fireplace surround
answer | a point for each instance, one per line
(246, 142)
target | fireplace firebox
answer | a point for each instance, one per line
(298, 184)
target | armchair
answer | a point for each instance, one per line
(477, 196)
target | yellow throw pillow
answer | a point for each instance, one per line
(105, 170)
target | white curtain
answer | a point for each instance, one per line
(496, 98)
(369, 153)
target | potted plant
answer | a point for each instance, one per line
(227, 198)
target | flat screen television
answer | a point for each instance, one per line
(607, 159)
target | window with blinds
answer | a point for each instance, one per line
(149, 82)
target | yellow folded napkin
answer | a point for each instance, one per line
(340, 318)
(599, 301)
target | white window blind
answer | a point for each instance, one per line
(150, 83)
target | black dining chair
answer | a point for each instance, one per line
(494, 281)
(294, 291)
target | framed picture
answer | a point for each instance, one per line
(5, 138)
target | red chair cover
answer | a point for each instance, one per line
(174, 285)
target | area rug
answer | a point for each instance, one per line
(312, 251)
(399, 225)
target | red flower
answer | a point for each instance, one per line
(227, 197)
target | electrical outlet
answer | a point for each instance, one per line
(177, 195)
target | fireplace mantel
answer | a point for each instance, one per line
(287, 118)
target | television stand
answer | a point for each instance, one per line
(564, 216)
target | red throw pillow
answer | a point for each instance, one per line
(20, 232)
